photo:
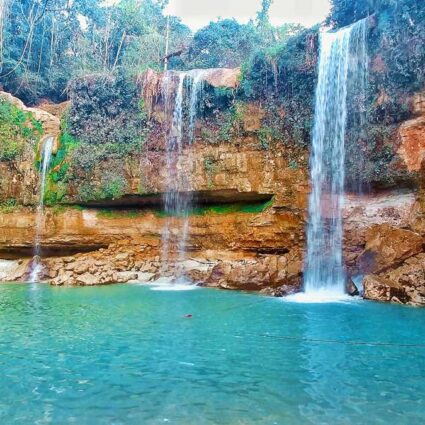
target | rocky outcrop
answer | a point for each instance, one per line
(260, 273)
(387, 246)
(404, 284)
(19, 179)
(365, 212)
(412, 148)
(104, 267)
(51, 123)
(152, 84)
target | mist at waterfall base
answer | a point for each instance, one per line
(180, 90)
(36, 266)
(342, 75)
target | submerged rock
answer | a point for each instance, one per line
(282, 291)
(351, 288)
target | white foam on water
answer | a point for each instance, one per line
(319, 297)
(172, 284)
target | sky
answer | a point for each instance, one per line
(198, 13)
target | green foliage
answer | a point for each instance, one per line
(345, 12)
(219, 209)
(112, 186)
(225, 43)
(268, 134)
(231, 121)
(55, 192)
(397, 70)
(284, 78)
(46, 44)
(105, 109)
(16, 129)
(117, 214)
(8, 206)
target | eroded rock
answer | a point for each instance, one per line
(387, 246)
(271, 271)
(405, 284)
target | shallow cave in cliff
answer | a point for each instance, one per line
(14, 252)
(199, 199)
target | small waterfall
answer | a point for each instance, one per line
(197, 78)
(36, 267)
(338, 67)
(4, 5)
(178, 198)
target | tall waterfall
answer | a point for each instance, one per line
(178, 199)
(340, 69)
(45, 162)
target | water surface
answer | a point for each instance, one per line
(127, 355)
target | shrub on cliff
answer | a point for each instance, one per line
(105, 109)
(16, 129)
(104, 125)
(283, 78)
(225, 43)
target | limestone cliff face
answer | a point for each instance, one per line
(217, 173)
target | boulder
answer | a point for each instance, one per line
(387, 247)
(412, 148)
(223, 77)
(282, 291)
(87, 279)
(405, 284)
(271, 271)
(124, 277)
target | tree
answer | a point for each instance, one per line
(44, 44)
(224, 43)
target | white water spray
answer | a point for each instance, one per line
(325, 275)
(36, 268)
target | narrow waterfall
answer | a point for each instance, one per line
(36, 267)
(338, 67)
(178, 198)
(196, 85)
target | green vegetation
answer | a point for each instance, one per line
(16, 129)
(117, 214)
(8, 206)
(248, 208)
(46, 44)
(225, 43)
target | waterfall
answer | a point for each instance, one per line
(4, 4)
(36, 267)
(178, 198)
(339, 66)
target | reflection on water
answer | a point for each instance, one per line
(129, 355)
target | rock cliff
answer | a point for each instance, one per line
(246, 232)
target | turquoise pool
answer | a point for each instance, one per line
(127, 355)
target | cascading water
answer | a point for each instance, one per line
(4, 4)
(325, 274)
(173, 200)
(45, 162)
(178, 199)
